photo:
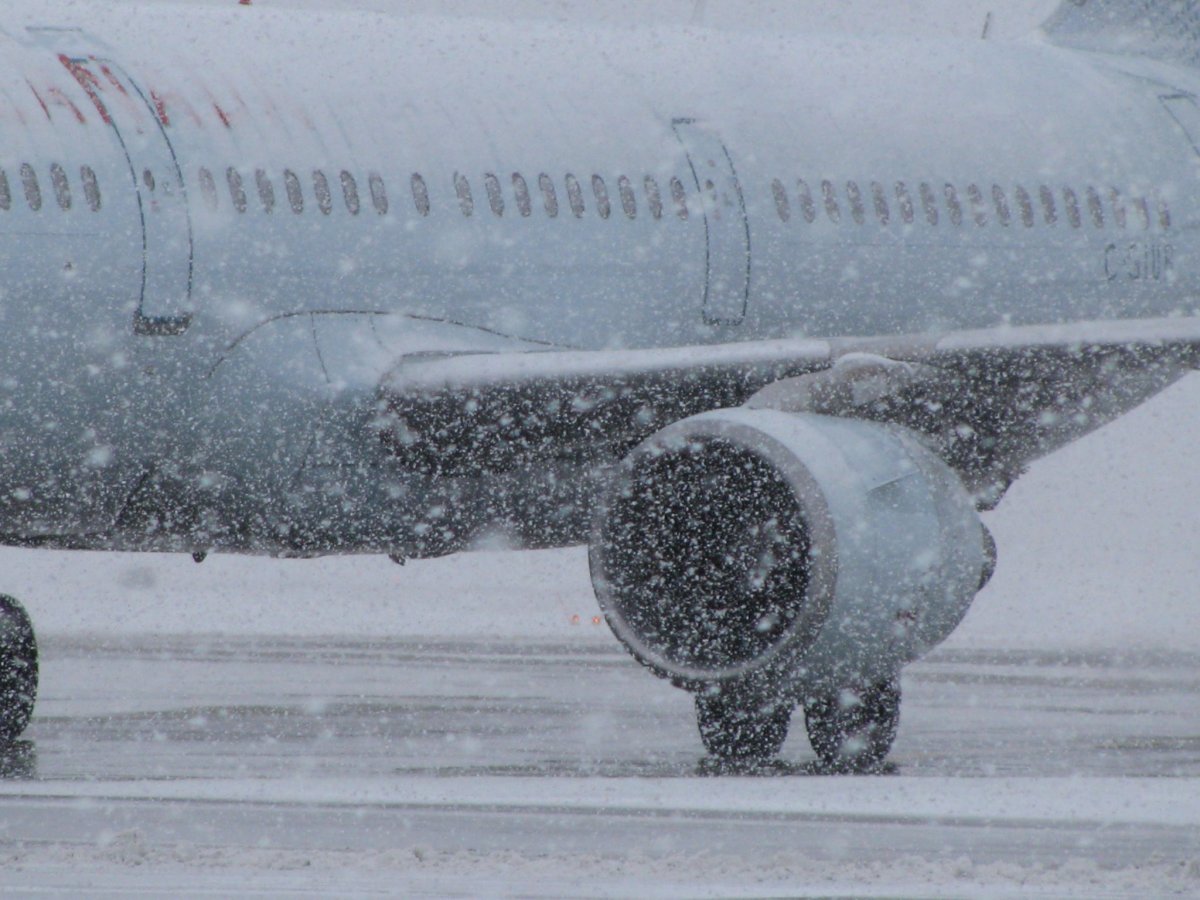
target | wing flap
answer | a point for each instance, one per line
(990, 400)
(473, 413)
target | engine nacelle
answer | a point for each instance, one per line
(798, 550)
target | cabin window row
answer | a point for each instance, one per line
(579, 194)
(325, 191)
(524, 196)
(901, 203)
(25, 183)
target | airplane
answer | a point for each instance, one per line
(763, 320)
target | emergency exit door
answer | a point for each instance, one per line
(727, 231)
(164, 302)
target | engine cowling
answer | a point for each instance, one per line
(799, 549)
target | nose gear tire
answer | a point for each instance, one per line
(18, 669)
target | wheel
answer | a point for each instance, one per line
(853, 731)
(735, 727)
(18, 669)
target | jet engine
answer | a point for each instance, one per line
(764, 559)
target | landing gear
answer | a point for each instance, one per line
(18, 669)
(739, 728)
(852, 731)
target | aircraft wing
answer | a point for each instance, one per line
(990, 400)
(491, 412)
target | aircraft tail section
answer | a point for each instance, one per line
(1164, 29)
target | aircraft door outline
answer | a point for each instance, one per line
(726, 226)
(1183, 109)
(164, 298)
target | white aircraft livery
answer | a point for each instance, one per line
(763, 320)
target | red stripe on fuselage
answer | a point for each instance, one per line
(60, 99)
(160, 108)
(89, 83)
(41, 102)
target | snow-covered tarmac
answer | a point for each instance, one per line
(460, 727)
(172, 765)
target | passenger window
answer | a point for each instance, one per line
(62, 189)
(1049, 209)
(653, 197)
(953, 206)
(323, 194)
(1071, 203)
(291, 186)
(1003, 214)
(208, 188)
(495, 199)
(5, 191)
(831, 205)
(929, 202)
(462, 187)
(600, 189)
(1143, 209)
(33, 191)
(420, 194)
(904, 198)
(628, 199)
(1164, 215)
(91, 187)
(266, 190)
(1118, 205)
(1095, 207)
(807, 206)
(782, 207)
(679, 195)
(350, 192)
(521, 191)
(975, 195)
(1025, 204)
(236, 192)
(575, 196)
(857, 210)
(883, 212)
(549, 195)
(378, 193)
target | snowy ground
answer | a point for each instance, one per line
(186, 765)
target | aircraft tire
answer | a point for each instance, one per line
(738, 728)
(852, 732)
(18, 669)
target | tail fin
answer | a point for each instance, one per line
(1163, 29)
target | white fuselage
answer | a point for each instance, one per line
(223, 227)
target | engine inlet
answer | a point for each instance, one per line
(707, 556)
